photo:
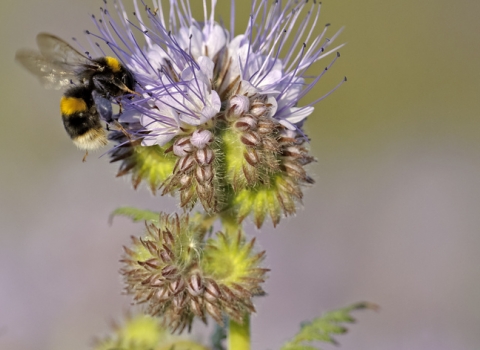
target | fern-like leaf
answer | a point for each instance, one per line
(135, 214)
(323, 328)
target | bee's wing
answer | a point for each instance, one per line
(61, 54)
(57, 63)
(51, 75)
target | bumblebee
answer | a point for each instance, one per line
(91, 84)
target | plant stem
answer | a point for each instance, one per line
(239, 334)
(230, 223)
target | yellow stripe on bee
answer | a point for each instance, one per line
(72, 105)
(113, 63)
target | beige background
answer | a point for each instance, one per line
(393, 218)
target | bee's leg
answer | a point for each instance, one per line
(119, 102)
(122, 129)
(85, 157)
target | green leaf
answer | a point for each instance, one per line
(321, 329)
(135, 214)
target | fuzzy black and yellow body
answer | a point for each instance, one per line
(81, 119)
(92, 84)
(109, 78)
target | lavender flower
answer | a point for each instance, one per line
(226, 106)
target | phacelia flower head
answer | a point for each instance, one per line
(177, 275)
(221, 111)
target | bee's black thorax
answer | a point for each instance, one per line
(109, 78)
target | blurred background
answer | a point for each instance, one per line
(393, 218)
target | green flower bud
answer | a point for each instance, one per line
(231, 262)
(139, 332)
(143, 332)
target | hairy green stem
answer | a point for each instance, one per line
(239, 334)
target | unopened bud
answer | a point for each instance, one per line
(246, 123)
(265, 126)
(239, 105)
(163, 294)
(294, 169)
(195, 287)
(179, 301)
(185, 181)
(212, 291)
(182, 147)
(177, 285)
(214, 312)
(169, 270)
(196, 308)
(204, 156)
(258, 109)
(251, 139)
(186, 163)
(204, 174)
(287, 136)
(251, 156)
(292, 151)
(166, 254)
(201, 138)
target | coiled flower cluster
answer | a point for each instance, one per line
(178, 275)
(215, 120)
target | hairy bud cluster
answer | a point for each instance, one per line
(178, 276)
(250, 141)
(282, 191)
(264, 161)
(194, 173)
(244, 149)
(215, 117)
